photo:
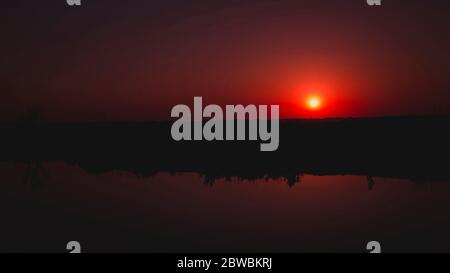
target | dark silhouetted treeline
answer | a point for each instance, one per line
(417, 148)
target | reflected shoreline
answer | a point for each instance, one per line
(414, 148)
(36, 172)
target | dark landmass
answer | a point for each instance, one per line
(415, 148)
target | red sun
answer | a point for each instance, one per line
(313, 103)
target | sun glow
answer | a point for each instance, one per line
(313, 103)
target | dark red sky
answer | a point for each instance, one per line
(134, 60)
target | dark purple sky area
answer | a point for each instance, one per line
(116, 60)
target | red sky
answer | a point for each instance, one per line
(121, 61)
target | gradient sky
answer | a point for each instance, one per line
(115, 60)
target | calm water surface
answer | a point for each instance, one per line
(120, 212)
